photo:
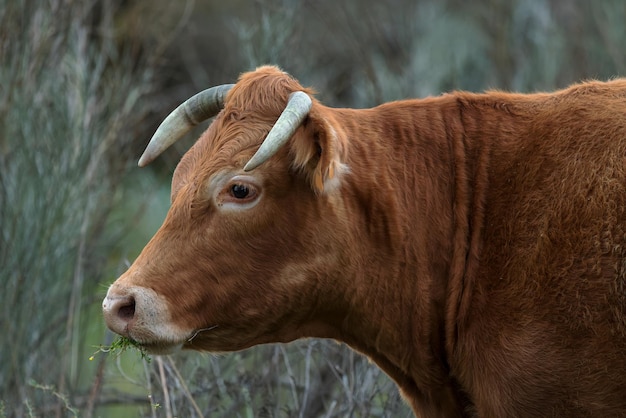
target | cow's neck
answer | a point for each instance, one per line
(413, 234)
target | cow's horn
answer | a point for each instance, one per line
(194, 110)
(292, 117)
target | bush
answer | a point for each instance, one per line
(65, 113)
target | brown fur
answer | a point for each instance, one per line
(472, 245)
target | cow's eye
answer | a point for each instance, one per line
(239, 191)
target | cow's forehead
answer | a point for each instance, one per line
(252, 107)
(226, 146)
(231, 141)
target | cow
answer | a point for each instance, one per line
(472, 245)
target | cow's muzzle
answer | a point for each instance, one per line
(142, 315)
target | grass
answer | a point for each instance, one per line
(119, 345)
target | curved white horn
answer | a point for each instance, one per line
(295, 112)
(194, 110)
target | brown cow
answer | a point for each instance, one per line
(472, 245)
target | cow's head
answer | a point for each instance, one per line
(251, 247)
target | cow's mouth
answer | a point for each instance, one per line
(159, 348)
(155, 347)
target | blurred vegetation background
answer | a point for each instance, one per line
(83, 85)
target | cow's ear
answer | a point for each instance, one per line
(319, 149)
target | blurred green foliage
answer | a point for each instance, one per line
(64, 149)
(84, 84)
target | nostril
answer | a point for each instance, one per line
(119, 311)
(126, 311)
